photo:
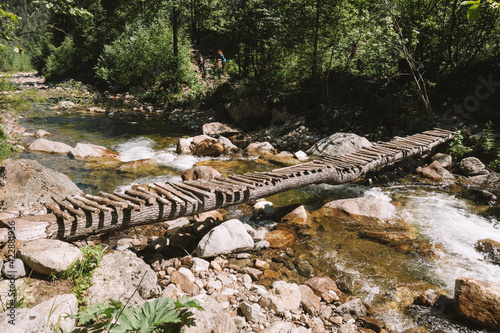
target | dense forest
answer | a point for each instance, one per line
(380, 66)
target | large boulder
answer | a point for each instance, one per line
(364, 210)
(214, 319)
(48, 146)
(46, 256)
(26, 184)
(339, 144)
(216, 129)
(478, 301)
(209, 147)
(230, 236)
(248, 113)
(86, 150)
(125, 272)
(472, 166)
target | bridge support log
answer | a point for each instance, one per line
(77, 218)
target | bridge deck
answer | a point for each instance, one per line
(77, 217)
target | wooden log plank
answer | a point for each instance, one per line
(202, 193)
(235, 182)
(155, 195)
(92, 203)
(147, 197)
(242, 179)
(69, 208)
(113, 197)
(82, 206)
(59, 213)
(124, 196)
(174, 194)
(107, 202)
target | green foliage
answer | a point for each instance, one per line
(81, 270)
(143, 57)
(12, 61)
(59, 63)
(486, 141)
(475, 7)
(160, 315)
(457, 147)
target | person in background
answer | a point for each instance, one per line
(201, 64)
(221, 63)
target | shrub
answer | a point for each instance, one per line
(60, 60)
(143, 57)
(160, 315)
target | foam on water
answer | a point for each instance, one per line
(136, 149)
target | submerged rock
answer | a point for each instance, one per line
(490, 249)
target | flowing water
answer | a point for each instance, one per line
(377, 273)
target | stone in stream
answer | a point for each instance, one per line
(86, 150)
(490, 249)
(478, 301)
(48, 146)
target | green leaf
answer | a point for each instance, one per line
(473, 13)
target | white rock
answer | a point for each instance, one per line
(46, 256)
(283, 296)
(187, 273)
(57, 309)
(49, 146)
(199, 264)
(230, 236)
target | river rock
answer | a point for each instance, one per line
(124, 271)
(41, 134)
(46, 256)
(214, 319)
(229, 147)
(325, 288)
(354, 307)
(144, 167)
(230, 236)
(280, 238)
(490, 249)
(184, 146)
(339, 144)
(478, 301)
(361, 210)
(209, 147)
(86, 150)
(309, 300)
(48, 146)
(282, 297)
(216, 129)
(26, 184)
(57, 311)
(252, 313)
(297, 218)
(435, 171)
(446, 160)
(23, 320)
(260, 148)
(13, 269)
(248, 113)
(472, 166)
(200, 172)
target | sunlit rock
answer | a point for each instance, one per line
(46, 256)
(216, 128)
(86, 150)
(282, 297)
(339, 144)
(472, 166)
(48, 146)
(200, 173)
(478, 301)
(260, 148)
(209, 147)
(214, 319)
(26, 184)
(280, 239)
(230, 236)
(490, 249)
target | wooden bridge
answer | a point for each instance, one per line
(77, 217)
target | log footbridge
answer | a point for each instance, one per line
(77, 217)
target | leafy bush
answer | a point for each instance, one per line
(60, 60)
(160, 315)
(486, 141)
(457, 147)
(143, 57)
(12, 61)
